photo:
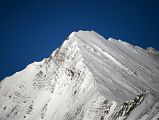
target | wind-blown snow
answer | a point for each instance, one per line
(87, 78)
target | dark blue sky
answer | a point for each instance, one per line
(31, 29)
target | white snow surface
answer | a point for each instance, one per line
(87, 78)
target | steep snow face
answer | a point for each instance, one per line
(87, 78)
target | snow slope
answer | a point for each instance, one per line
(87, 78)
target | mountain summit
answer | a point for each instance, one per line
(87, 78)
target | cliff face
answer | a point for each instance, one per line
(87, 78)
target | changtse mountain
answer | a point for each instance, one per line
(87, 78)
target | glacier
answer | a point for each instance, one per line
(86, 78)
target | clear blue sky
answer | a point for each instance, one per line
(31, 29)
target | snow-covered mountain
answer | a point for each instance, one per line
(87, 78)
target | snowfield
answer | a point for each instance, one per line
(87, 78)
